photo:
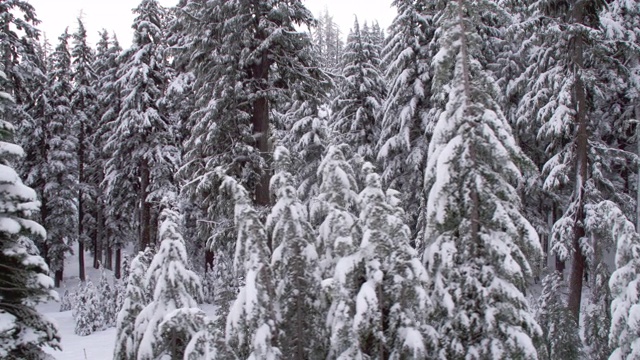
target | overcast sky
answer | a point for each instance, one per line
(116, 16)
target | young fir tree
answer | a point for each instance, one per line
(137, 296)
(560, 331)
(141, 143)
(308, 138)
(391, 314)
(477, 242)
(360, 94)
(61, 184)
(333, 208)
(23, 277)
(107, 296)
(83, 105)
(251, 331)
(173, 287)
(294, 261)
(404, 133)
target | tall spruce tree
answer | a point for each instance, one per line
(61, 183)
(477, 242)
(404, 135)
(360, 95)
(566, 58)
(83, 105)
(250, 57)
(141, 143)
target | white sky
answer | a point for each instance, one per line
(116, 15)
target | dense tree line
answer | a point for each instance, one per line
(448, 188)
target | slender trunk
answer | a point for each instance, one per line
(81, 204)
(118, 271)
(96, 252)
(153, 227)
(145, 207)
(208, 260)
(57, 278)
(637, 112)
(578, 258)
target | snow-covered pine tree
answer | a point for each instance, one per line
(477, 242)
(117, 227)
(391, 314)
(137, 296)
(560, 331)
(173, 287)
(361, 91)
(141, 144)
(298, 287)
(83, 105)
(251, 331)
(308, 138)
(328, 43)
(23, 277)
(334, 208)
(88, 313)
(107, 297)
(404, 134)
(246, 57)
(61, 177)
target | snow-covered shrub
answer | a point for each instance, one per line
(107, 296)
(88, 312)
(67, 300)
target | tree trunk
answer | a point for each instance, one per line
(637, 112)
(57, 278)
(578, 258)
(145, 207)
(118, 271)
(208, 260)
(81, 204)
(153, 227)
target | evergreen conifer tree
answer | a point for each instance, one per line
(560, 331)
(477, 241)
(83, 105)
(251, 331)
(174, 287)
(23, 277)
(137, 296)
(295, 266)
(360, 95)
(61, 186)
(88, 313)
(141, 143)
